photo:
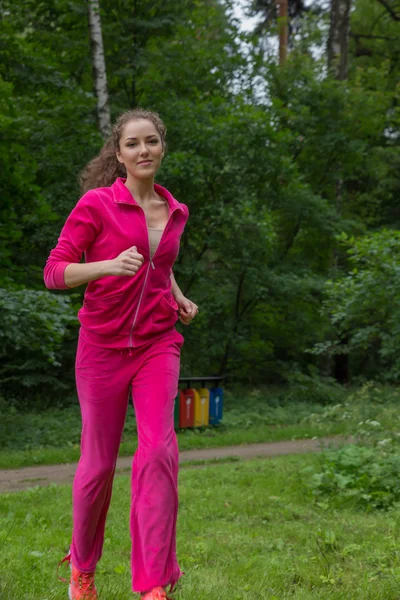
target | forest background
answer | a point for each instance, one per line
(290, 169)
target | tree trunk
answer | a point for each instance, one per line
(283, 30)
(338, 41)
(338, 46)
(99, 69)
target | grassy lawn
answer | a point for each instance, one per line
(246, 530)
(250, 416)
(207, 438)
(52, 436)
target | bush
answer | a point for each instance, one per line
(367, 472)
(367, 477)
(313, 388)
(370, 402)
(278, 405)
(33, 327)
(364, 306)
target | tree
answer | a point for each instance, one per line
(364, 305)
(254, 150)
(267, 10)
(283, 31)
(391, 9)
(99, 68)
(338, 41)
(338, 45)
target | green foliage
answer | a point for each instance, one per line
(365, 404)
(361, 476)
(257, 152)
(22, 204)
(27, 430)
(365, 473)
(364, 304)
(33, 326)
(60, 425)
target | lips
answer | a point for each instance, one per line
(145, 162)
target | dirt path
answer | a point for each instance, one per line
(12, 480)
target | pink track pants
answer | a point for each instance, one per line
(103, 378)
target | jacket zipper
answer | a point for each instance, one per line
(138, 306)
(151, 263)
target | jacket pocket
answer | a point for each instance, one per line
(166, 311)
(103, 315)
(103, 303)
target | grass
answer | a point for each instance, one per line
(207, 438)
(250, 416)
(246, 530)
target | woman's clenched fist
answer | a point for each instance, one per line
(127, 263)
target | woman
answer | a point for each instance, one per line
(129, 230)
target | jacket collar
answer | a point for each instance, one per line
(122, 195)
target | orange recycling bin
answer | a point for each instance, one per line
(201, 407)
(186, 408)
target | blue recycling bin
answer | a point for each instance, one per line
(216, 405)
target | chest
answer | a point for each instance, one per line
(157, 214)
(125, 226)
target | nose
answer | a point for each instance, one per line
(144, 149)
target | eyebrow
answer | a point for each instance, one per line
(147, 136)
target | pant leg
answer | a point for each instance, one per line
(154, 507)
(103, 380)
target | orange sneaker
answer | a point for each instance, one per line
(81, 585)
(157, 593)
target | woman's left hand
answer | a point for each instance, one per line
(187, 310)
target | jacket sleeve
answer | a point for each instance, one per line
(80, 230)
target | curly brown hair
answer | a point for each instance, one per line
(104, 169)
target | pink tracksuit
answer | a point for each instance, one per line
(127, 341)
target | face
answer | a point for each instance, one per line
(140, 149)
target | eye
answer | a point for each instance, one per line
(154, 141)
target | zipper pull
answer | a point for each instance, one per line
(152, 264)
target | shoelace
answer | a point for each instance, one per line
(68, 560)
(86, 582)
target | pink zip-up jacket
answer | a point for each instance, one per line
(120, 311)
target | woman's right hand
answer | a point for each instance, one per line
(127, 263)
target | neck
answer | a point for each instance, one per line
(141, 189)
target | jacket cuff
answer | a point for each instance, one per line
(58, 276)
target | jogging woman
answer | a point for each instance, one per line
(129, 229)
